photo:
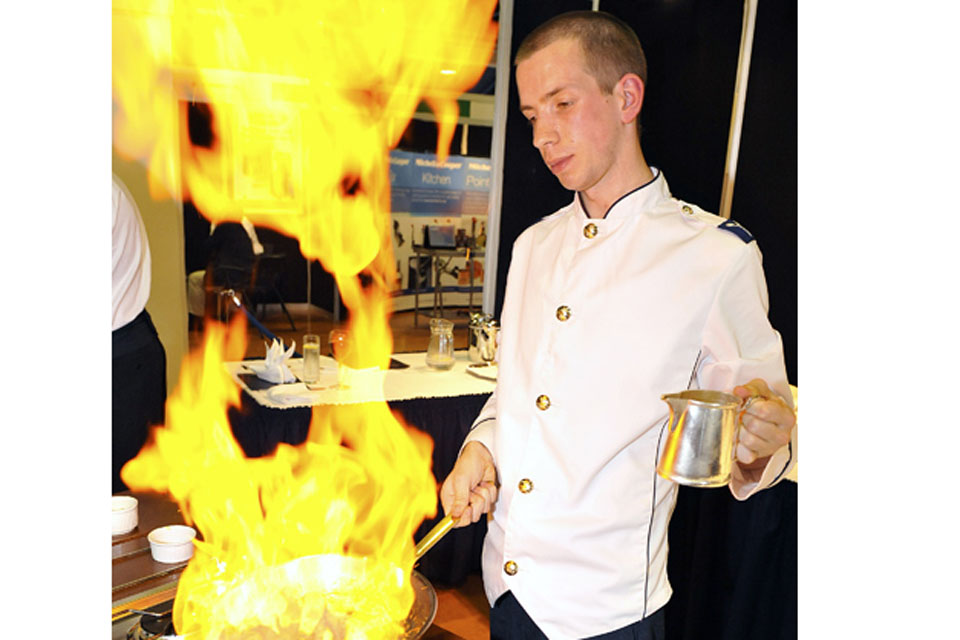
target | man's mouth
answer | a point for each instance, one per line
(556, 166)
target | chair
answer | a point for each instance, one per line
(232, 265)
(268, 270)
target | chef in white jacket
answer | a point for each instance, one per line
(625, 294)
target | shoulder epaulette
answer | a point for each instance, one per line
(736, 229)
(697, 213)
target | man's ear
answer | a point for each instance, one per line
(630, 91)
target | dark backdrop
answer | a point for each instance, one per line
(692, 49)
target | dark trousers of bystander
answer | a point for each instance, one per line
(139, 389)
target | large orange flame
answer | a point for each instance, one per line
(306, 99)
(358, 487)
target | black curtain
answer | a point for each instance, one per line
(733, 565)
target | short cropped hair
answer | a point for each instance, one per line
(610, 47)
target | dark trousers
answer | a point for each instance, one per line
(139, 389)
(508, 621)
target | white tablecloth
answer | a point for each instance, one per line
(416, 381)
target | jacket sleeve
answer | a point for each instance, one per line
(483, 430)
(739, 344)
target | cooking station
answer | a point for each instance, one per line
(139, 582)
(143, 587)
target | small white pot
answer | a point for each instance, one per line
(125, 514)
(172, 544)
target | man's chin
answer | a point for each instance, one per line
(567, 183)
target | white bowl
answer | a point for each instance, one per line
(173, 543)
(124, 514)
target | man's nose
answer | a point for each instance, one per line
(544, 132)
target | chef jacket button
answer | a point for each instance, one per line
(590, 230)
(543, 402)
(563, 313)
(525, 486)
(687, 210)
(510, 568)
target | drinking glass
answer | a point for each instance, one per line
(339, 344)
(311, 360)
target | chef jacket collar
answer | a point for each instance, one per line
(642, 198)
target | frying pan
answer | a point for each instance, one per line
(331, 573)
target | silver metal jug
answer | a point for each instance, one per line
(483, 339)
(702, 440)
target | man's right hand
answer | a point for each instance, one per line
(471, 488)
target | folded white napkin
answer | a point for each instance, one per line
(274, 366)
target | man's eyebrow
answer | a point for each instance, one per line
(548, 95)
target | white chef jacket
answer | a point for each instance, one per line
(131, 258)
(663, 297)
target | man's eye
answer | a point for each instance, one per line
(563, 105)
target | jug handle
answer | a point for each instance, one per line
(744, 406)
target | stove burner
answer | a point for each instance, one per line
(153, 627)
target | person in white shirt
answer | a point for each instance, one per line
(138, 359)
(624, 295)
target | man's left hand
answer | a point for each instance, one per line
(767, 424)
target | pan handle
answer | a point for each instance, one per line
(433, 537)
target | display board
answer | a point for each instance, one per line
(421, 185)
(428, 195)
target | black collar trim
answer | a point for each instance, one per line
(610, 208)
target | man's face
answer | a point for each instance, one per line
(576, 127)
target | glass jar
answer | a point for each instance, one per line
(440, 348)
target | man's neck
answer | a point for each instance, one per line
(597, 200)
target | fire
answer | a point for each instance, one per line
(357, 488)
(306, 100)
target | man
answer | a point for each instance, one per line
(623, 295)
(139, 360)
